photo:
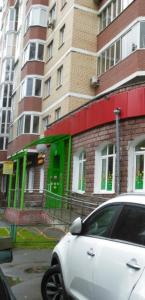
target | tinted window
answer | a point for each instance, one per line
(131, 225)
(100, 223)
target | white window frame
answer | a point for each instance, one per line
(50, 50)
(47, 87)
(52, 12)
(61, 35)
(105, 11)
(23, 87)
(132, 43)
(60, 76)
(76, 165)
(26, 52)
(98, 170)
(132, 164)
(46, 121)
(33, 20)
(57, 113)
(21, 123)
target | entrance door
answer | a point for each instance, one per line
(55, 180)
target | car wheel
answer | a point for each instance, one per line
(52, 287)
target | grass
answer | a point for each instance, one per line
(30, 238)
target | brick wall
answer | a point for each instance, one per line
(129, 130)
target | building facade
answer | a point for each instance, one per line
(74, 74)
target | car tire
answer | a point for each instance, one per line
(52, 286)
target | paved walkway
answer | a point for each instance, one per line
(26, 270)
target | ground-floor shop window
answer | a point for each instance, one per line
(140, 166)
(105, 169)
(79, 172)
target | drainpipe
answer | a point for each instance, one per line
(117, 112)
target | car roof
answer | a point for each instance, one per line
(138, 198)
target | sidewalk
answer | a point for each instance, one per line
(26, 270)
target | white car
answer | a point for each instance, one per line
(102, 257)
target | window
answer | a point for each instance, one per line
(35, 124)
(1, 143)
(11, 17)
(5, 94)
(52, 12)
(50, 50)
(105, 169)
(59, 76)
(57, 113)
(46, 122)
(131, 225)
(61, 36)
(47, 87)
(37, 16)
(20, 126)
(79, 172)
(63, 2)
(18, 43)
(142, 35)
(31, 86)
(9, 44)
(33, 51)
(121, 48)
(140, 166)
(28, 124)
(111, 11)
(100, 223)
(8, 70)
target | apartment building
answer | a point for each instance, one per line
(78, 100)
(108, 144)
(48, 58)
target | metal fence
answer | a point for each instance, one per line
(61, 210)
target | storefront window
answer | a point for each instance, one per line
(107, 168)
(82, 168)
(139, 165)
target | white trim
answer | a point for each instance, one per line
(36, 5)
(104, 6)
(86, 9)
(132, 163)
(87, 97)
(34, 41)
(70, 50)
(83, 51)
(35, 113)
(98, 169)
(68, 12)
(121, 33)
(115, 86)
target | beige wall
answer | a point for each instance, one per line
(79, 64)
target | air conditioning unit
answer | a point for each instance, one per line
(94, 81)
(51, 23)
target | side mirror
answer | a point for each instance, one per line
(76, 226)
(5, 250)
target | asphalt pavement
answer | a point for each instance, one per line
(25, 272)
